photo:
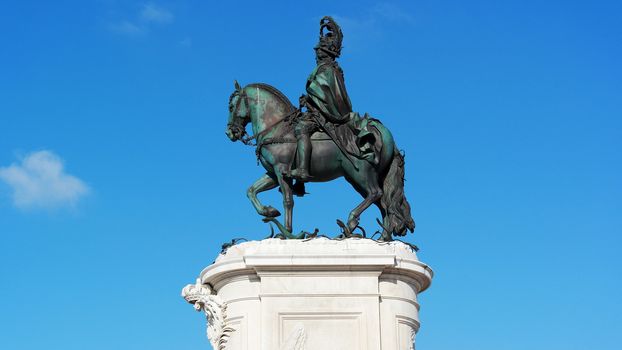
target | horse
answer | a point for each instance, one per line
(380, 183)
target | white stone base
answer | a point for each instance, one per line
(319, 294)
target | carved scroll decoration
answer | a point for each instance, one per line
(204, 299)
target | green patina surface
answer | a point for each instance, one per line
(320, 141)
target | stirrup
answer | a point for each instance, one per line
(305, 176)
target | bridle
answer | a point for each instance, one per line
(237, 123)
(239, 128)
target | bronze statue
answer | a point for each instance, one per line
(320, 141)
(326, 101)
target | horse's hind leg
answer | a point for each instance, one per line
(264, 183)
(288, 200)
(366, 183)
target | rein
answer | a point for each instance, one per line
(248, 139)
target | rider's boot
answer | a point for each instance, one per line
(303, 155)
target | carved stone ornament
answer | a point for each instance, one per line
(296, 340)
(203, 299)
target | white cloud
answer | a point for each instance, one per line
(40, 181)
(186, 42)
(147, 16)
(391, 12)
(128, 28)
(153, 13)
(360, 30)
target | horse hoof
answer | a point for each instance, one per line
(345, 231)
(271, 212)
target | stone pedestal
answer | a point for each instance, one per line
(320, 294)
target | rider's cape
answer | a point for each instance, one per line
(326, 92)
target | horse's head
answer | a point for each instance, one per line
(239, 114)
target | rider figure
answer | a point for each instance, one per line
(327, 101)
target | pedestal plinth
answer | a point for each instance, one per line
(320, 294)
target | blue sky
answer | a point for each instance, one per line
(118, 185)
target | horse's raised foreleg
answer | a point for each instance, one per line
(264, 183)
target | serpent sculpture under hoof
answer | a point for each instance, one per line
(321, 140)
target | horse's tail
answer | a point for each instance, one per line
(397, 218)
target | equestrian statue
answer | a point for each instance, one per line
(321, 140)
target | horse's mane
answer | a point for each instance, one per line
(276, 92)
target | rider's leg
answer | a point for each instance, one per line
(303, 153)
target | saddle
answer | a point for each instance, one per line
(358, 137)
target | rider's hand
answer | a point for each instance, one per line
(302, 101)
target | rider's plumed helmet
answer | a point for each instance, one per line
(330, 37)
